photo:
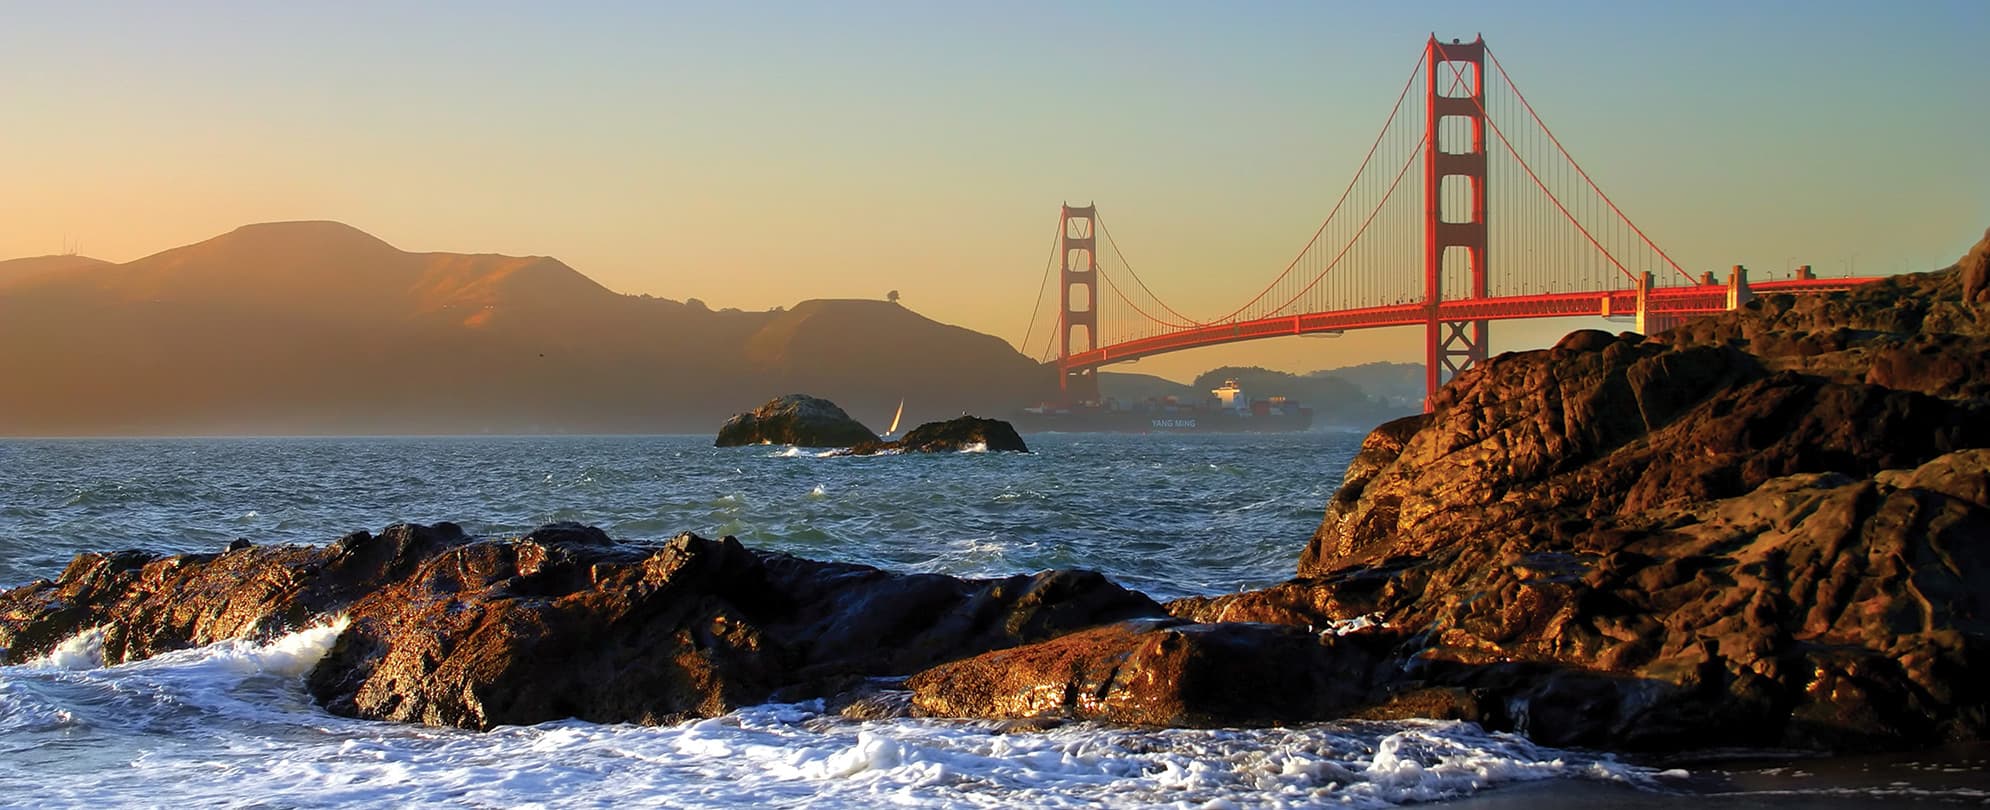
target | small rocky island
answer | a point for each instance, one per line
(805, 421)
(797, 419)
(1769, 528)
(955, 435)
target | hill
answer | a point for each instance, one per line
(1335, 402)
(1355, 396)
(1128, 387)
(13, 271)
(318, 327)
(1399, 385)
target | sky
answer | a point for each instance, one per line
(753, 155)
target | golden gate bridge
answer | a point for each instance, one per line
(1498, 190)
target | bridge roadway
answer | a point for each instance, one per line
(1662, 303)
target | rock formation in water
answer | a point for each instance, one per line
(952, 436)
(797, 419)
(447, 629)
(1166, 672)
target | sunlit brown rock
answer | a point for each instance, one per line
(1163, 672)
(1975, 270)
(447, 629)
(1764, 528)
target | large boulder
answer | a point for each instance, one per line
(1165, 673)
(962, 433)
(448, 629)
(797, 419)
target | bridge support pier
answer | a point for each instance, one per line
(1453, 346)
(1649, 322)
(1737, 288)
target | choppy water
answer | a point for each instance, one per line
(231, 725)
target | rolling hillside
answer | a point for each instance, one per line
(317, 327)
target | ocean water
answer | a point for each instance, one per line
(230, 724)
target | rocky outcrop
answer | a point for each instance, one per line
(1975, 271)
(963, 433)
(797, 419)
(1769, 528)
(1165, 673)
(447, 629)
(1766, 528)
(148, 604)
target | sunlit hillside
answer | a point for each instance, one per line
(318, 327)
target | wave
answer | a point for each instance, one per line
(213, 724)
(289, 655)
(85, 650)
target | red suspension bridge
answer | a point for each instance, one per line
(1498, 190)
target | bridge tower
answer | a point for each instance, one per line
(1078, 245)
(1453, 346)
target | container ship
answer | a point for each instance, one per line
(1227, 410)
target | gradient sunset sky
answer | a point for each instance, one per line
(754, 155)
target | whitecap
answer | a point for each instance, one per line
(289, 656)
(85, 650)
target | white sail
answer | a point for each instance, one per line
(894, 419)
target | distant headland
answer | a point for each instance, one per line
(318, 327)
(305, 328)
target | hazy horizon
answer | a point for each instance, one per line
(754, 157)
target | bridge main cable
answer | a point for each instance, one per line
(1415, 70)
(1187, 322)
(1036, 309)
(1494, 126)
(1578, 166)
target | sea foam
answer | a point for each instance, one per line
(85, 650)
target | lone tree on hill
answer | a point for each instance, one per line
(891, 296)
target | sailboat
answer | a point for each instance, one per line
(894, 421)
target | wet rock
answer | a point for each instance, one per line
(150, 604)
(1164, 672)
(1766, 528)
(517, 632)
(952, 436)
(448, 629)
(797, 419)
(881, 704)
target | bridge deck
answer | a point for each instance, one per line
(1666, 301)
